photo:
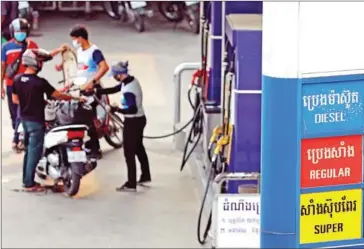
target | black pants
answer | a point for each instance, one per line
(86, 117)
(133, 146)
(93, 144)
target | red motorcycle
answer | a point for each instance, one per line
(108, 123)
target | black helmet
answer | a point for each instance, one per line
(35, 57)
(18, 25)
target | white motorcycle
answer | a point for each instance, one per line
(64, 159)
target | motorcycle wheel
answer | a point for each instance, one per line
(111, 9)
(139, 22)
(72, 185)
(172, 11)
(116, 124)
(193, 19)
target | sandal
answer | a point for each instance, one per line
(20, 146)
(35, 189)
(15, 148)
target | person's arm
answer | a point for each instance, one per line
(63, 96)
(101, 62)
(52, 92)
(129, 104)
(15, 98)
(56, 51)
(14, 94)
(103, 67)
(109, 90)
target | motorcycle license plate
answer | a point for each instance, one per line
(189, 3)
(138, 4)
(76, 156)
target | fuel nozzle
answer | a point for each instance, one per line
(221, 143)
(215, 133)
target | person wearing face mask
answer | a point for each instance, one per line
(134, 124)
(11, 53)
(11, 65)
(93, 66)
(28, 92)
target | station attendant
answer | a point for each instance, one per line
(134, 124)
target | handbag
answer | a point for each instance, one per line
(12, 69)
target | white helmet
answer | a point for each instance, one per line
(35, 57)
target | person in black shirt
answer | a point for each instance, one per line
(28, 93)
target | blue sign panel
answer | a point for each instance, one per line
(332, 107)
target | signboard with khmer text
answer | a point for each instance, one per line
(332, 107)
(331, 159)
(330, 216)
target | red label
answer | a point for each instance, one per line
(331, 161)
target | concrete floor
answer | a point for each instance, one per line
(161, 216)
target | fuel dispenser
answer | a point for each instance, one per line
(236, 141)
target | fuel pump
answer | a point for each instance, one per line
(219, 161)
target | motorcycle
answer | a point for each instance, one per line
(177, 11)
(128, 11)
(64, 158)
(27, 12)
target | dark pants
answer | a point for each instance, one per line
(133, 146)
(14, 113)
(33, 140)
(83, 116)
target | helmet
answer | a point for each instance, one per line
(35, 58)
(19, 25)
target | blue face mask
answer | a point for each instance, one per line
(20, 36)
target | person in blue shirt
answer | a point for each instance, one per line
(134, 124)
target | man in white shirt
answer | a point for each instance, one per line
(91, 64)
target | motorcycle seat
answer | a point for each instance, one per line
(69, 127)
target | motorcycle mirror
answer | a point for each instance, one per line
(79, 81)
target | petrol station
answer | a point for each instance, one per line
(276, 136)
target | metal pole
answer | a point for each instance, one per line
(187, 66)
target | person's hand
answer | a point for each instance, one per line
(59, 67)
(89, 87)
(66, 87)
(3, 93)
(64, 47)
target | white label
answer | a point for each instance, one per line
(237, 221)
(138, 4)
(189, 3)
(76, 156)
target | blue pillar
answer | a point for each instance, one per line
(281, 126)
(214, 89)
